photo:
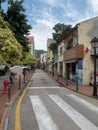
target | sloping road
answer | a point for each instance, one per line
(45, 105)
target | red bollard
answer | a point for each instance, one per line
(5, 91)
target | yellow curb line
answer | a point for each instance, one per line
(17, 112)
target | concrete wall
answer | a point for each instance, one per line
(86, 31)
(60, 56)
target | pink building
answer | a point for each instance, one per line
(31, 40)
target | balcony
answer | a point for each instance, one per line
(74, 53)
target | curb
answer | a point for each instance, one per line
(96, 98)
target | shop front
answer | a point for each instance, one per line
(73, 59)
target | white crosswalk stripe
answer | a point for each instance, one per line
(45, 87)
(44, 120)
(79, 119)
(83, 102)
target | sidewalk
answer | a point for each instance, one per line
(85, 89)
(4, 104)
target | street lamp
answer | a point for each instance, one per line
(94, 43)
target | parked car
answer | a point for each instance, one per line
(92, 78)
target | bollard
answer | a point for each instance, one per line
(58, 77)
(66, 78)
(19, 82)
(76, 82)
(24, 78)
(24, 75)
(5, 91)
(9, 93)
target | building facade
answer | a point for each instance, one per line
(31, 40)
(50, 56)
(75, 60)
(43, 61)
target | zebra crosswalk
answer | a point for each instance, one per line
(45, 121)
(83, 102)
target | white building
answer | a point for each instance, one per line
(43, 60)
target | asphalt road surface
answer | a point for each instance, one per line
(46, 105)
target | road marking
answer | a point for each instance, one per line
(78, 118)
(44, 120)
(85, 103)
(80, 94)
(44, 87)
(17, 112)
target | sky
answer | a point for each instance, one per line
(43, 15)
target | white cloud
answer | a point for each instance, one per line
(43, 29)
(50, 2)
(41, 33)
(94, 4)
(93, 7)
(69, 9)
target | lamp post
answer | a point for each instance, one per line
(94, 43)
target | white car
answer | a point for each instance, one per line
(92, 78)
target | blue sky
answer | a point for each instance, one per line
(44, 14)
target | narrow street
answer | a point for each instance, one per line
(46, 105)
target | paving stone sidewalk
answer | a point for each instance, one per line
(85, 89)
(4, 102)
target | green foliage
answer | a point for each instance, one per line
(18, 22)
(2, 61)
(58, 29)
(10, 49)
(28, 59)
(53, 47)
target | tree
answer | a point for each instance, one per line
(58, 29)
(53, 47)
(10, 49)
(18, 22)
(29, 59)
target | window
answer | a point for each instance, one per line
(60, 50)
